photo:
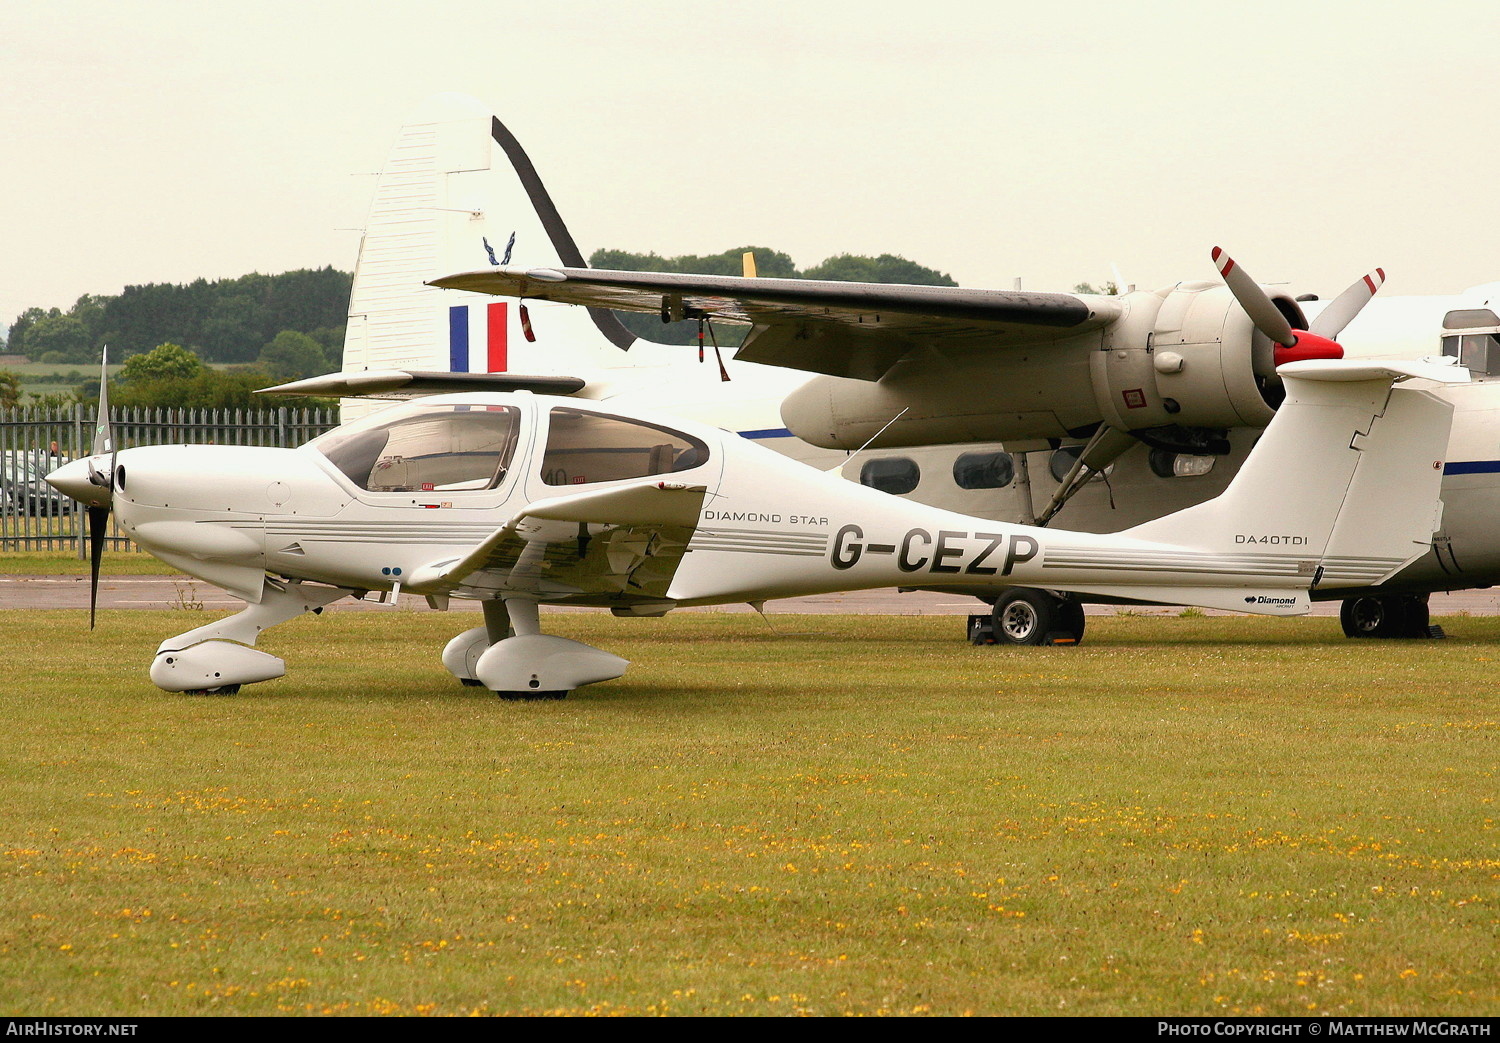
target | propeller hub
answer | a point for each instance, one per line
(1306, 346)
(76, 480)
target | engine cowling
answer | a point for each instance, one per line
(1184, 357)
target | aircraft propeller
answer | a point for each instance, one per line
(1295, 345)
(1290, 345)
(91, 482)
(98, 516)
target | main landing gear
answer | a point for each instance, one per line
(1028, 616)
(1387, 615)
(215, 659)
(513, 658)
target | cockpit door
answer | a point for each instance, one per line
(437, 454)
(587, 447)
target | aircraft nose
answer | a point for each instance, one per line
(75, 479)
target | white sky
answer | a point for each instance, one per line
(162, 141)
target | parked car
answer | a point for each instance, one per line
(23, 486)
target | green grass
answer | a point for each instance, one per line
(845, 814)
(67, 563)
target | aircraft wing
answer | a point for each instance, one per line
(842, 329)
(615, 547)
(401, 383)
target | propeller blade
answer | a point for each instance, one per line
(104, 441)
(1332, 319)
(1254, 300)
(98, 518)
(98, 513)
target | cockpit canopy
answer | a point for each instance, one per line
(584, 447)
(425, 447)
(428, 446)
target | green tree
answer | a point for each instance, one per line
(16, 340)
(332, 339)
(231, 332)
(885, 268)
(10, 389)
(57, 400)
(769, 264)
(208, 389)
(165, 361)
(1109, 289)
(292, 356)
(60, 338)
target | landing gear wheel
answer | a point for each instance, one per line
(1070, 618)
(1390, 615)
(228, 689)
(1025, 616)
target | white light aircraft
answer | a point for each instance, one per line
(996, 403)
(520, 500)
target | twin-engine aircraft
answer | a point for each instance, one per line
(520, 500)
(1110, 410)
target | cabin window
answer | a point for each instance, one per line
(896, 475)
(425, 448)
(1167, 464)
(983, 470)
(1477, 352)
(1062, 461)
(584, 448)
(1472, 335)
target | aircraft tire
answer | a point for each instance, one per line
(1027, 616)
(1390, 615)
(1417, 617)
(1072, 619)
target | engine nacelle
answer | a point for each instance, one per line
(1187, 356)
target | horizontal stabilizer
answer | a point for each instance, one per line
(402, 384)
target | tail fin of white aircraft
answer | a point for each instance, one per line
(1342, 489)
(458, 192)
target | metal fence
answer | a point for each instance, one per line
(33, 516)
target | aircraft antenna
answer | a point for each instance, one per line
(872, 438)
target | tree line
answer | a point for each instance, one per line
(269, 329)
(225, 321)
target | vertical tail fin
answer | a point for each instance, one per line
(1344, 482)
(458, 192)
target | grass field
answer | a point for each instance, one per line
(843, 815)
(67, 563)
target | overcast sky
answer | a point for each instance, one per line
(151, 142)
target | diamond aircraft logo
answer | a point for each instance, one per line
(1261, 599)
